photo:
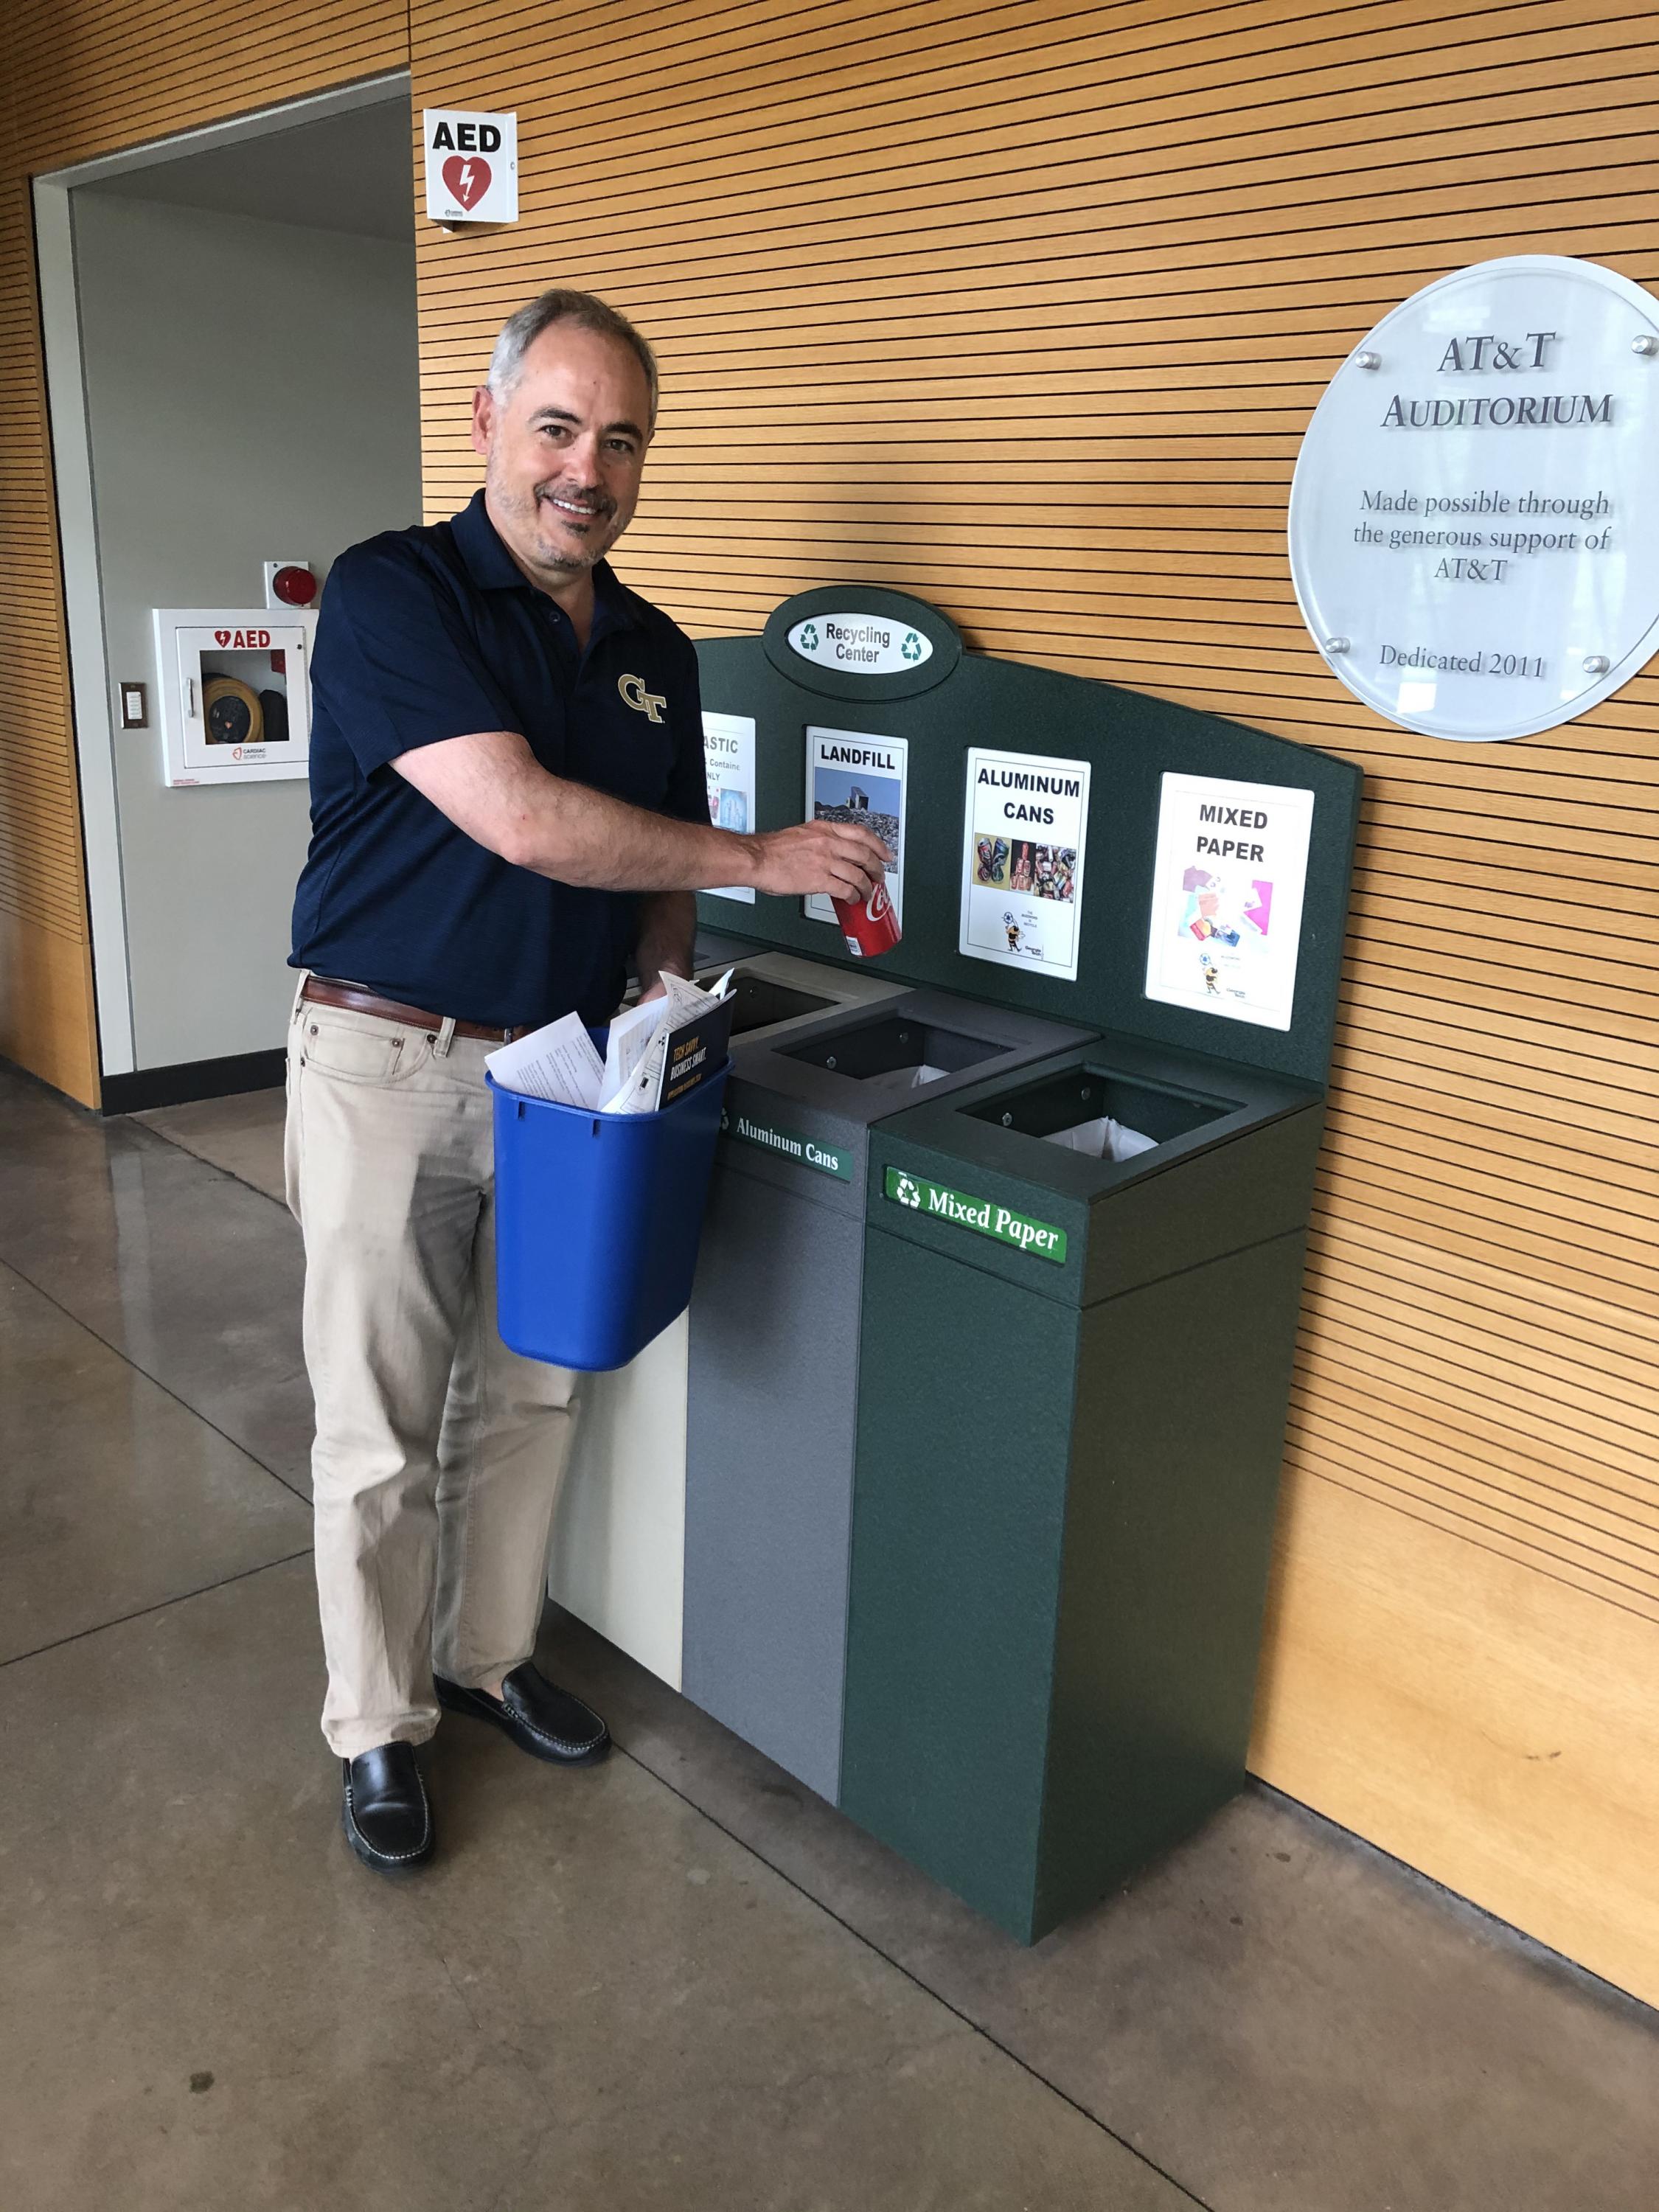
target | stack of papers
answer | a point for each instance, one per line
(655, 1053)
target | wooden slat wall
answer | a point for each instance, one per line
(46, 967)
(81, 80)
(1024, 309)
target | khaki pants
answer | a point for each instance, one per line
(439, 1452)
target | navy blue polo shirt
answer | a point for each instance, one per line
(435, 633)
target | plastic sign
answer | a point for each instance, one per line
(1039, 1238)
(728, 758)
(860, 645)
(471, 165)
(1472, 520)
(1228, 883)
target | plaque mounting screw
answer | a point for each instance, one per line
(1368, 359)
(1596, 663)
(1336, 645)
(1646, 343)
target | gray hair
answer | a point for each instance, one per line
(588, 312)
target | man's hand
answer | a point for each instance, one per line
(832, 857)
(666, 940)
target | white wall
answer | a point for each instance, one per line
(251, 393)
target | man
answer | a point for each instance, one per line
(508, 798)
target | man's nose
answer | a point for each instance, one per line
(582, 462)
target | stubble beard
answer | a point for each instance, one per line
(558, 562)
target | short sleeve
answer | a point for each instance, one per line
(688, 779)
(396, 664)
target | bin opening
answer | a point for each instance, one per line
(898, 1052)
(1077, 1106)
(761, 1002)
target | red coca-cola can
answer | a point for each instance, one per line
(869, 925)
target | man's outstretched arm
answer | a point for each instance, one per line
(492, 786)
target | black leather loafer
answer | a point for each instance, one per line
(547, 1722)
(385, 1816)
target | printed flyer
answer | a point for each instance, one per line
(728, 752)
(1022, 883)
(852, 776)
(1227, 880)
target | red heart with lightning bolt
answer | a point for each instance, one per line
(467, 178)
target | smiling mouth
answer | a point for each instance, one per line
(571, 510)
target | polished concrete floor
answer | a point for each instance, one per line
(677, 1980)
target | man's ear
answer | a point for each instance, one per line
(484, 418)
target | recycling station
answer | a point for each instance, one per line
(954, 1492)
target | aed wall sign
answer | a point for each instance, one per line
(471, 165)
(1472, 520)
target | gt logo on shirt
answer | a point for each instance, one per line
(641, 701)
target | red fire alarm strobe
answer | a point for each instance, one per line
(289, 584)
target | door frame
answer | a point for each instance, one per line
(92, 700)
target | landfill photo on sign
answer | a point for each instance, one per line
(868, 802)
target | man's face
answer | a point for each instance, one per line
(564, 449)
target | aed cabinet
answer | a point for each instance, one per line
(233, 689)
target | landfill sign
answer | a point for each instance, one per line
(852, 776)
(1228, 879)
(1026, 821)
(471, 165)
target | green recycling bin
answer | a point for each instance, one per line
(1081, 1289)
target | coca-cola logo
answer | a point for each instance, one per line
(877, 904)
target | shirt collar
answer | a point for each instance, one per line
(493, 568)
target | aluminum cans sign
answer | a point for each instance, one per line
(1473, 519)
(471, 165)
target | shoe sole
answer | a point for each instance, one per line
(393, 1869)
(509, 1728)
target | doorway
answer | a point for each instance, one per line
(233, 373)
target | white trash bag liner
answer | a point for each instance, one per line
(1104, 1140)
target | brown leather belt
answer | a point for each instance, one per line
(323, 991)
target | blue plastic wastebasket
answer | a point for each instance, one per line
(598, 1217)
